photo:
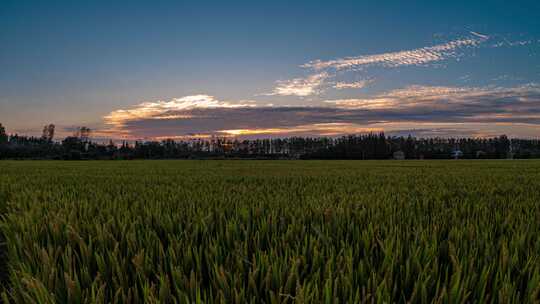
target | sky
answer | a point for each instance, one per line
(190, 69)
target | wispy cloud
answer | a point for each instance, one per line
(352, 85)
(411, 96)
(436, 98)
(300, 86)
(325, 70)
(420, 56)
(482, 36)
(502, 41)
(513, 110)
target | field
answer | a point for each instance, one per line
(270, 231)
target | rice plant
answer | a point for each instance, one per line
(271, 231)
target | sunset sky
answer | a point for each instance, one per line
(181, 69)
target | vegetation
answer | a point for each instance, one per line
(366, 146)
(273, 232)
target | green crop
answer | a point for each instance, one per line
(270, 231)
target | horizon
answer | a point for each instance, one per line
(150, 71)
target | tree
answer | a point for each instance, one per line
(83, 133)
(3, 135)
(48, 133)
(71, 143)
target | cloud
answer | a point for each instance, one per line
(502, 41)
(300, 86)
(482, 36)
(420, 56)
(315, 83)
(321, 129)
(176, 108)
(352, 85)
(440, 98)
(476, 110)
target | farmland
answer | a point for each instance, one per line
(270, 231)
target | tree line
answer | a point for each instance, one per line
(363, 146)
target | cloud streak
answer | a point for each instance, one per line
(435, 98)
(477, 110)
(325, 70)
(420, 56)
(300, 86)
(352, 85)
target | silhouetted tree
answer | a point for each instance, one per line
(3, 135)
(83, 133)
(364, 146)
(48, 133)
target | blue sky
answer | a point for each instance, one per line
(157, 69)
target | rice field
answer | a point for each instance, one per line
(270, 231)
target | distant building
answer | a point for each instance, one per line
(399, 155)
